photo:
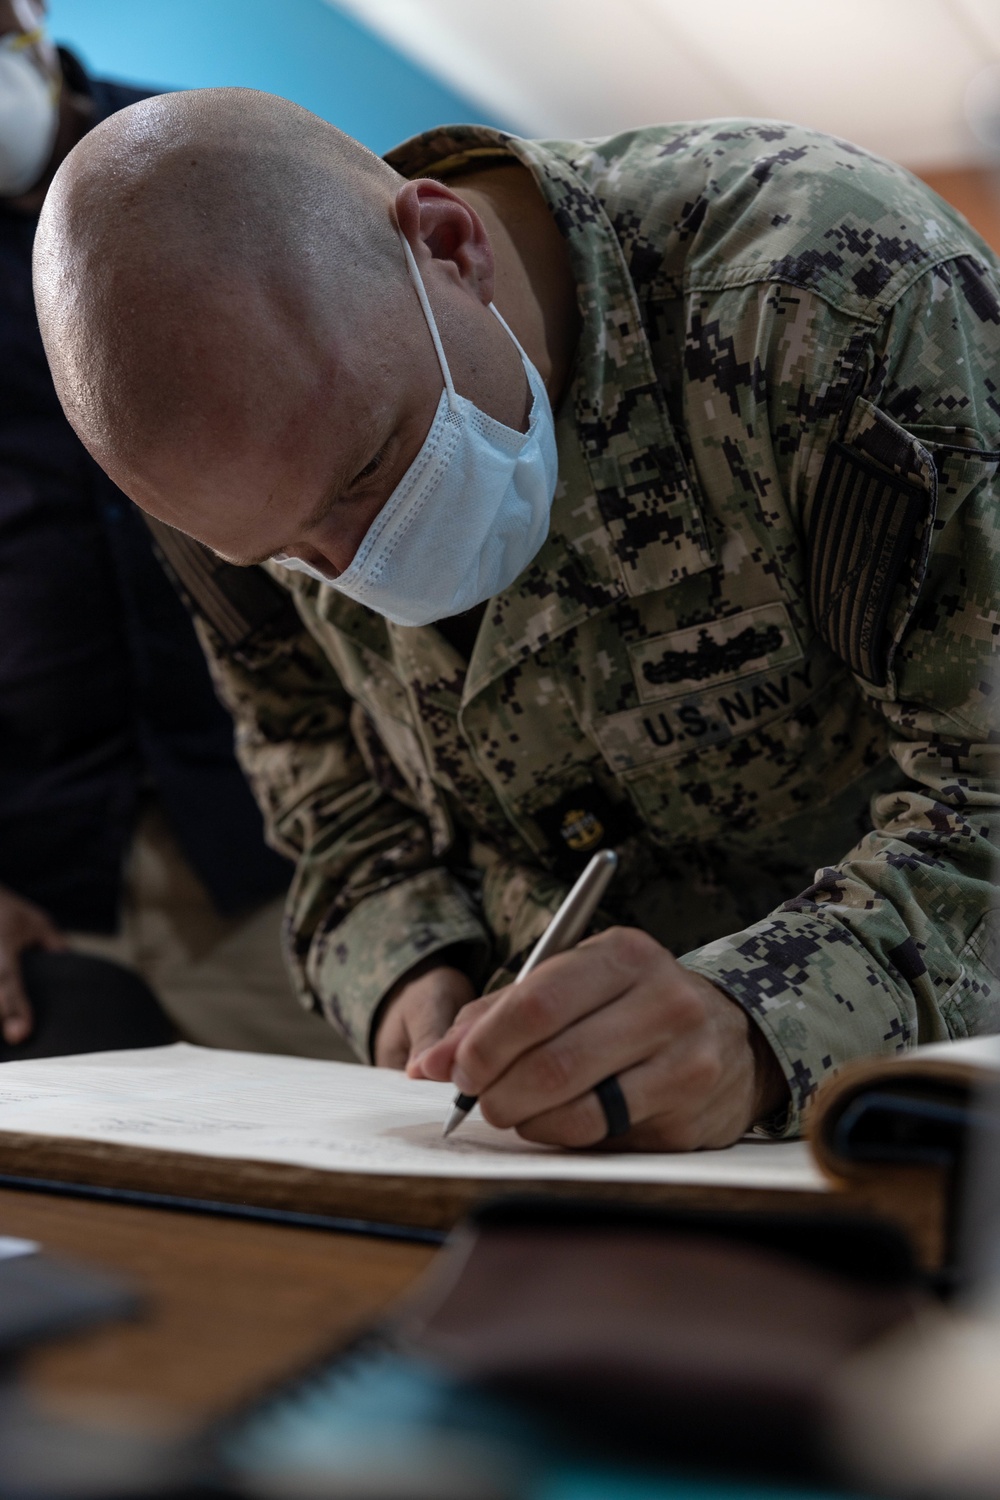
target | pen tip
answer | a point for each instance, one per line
(454, 1120)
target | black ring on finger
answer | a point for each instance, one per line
(612, 1101)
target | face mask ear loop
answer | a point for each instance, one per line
(508, 330)
(421, 291)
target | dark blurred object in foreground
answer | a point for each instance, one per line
(42, 1298)
(553, 1338)
(42, 1458)
(694, 1339)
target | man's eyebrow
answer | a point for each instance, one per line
(329, 498)
(366, 434)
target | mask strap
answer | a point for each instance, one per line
(508, 331)
(421, 291)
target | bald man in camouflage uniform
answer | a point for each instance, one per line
(755, 653)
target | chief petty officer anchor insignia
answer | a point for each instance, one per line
(579, 823)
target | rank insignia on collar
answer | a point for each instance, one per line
(581, 822)
(582, 829)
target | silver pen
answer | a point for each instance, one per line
(564, 931)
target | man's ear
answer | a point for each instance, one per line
(441, 228)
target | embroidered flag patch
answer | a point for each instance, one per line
(861, 540)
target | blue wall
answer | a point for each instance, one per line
(304, 49)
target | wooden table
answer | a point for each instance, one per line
(232, 1305)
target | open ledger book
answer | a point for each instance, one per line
(332, 1138)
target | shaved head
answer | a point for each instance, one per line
(232, 328)
(186, 248)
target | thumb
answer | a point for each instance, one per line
(50, 938)
(32, 928)
(36, 929)
(15, 1011)
(427, 1031)
(436, 1057)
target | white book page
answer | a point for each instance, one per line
(334, 1116)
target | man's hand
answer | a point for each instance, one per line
(418, 1011)
(22, 925)
(694, 1070)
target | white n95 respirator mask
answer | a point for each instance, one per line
(469, 514)
(29, 113)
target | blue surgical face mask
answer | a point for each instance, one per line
(469, 514)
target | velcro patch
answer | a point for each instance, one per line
(238, 603)
(664, 731)
(688, 661)
(861, 539)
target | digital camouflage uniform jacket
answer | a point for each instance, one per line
(754, 653)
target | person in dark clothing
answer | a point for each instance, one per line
(126, 828)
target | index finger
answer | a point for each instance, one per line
(15, 1011)
(556, 994)
(437, 1060)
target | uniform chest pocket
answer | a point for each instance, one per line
(672, 729)
(741, 758)
(708, 684)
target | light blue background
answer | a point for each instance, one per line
(304, 49)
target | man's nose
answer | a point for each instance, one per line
(310, 557)
(321, 558)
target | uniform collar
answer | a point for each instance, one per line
(640, 526)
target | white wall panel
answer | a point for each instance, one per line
(889, 74)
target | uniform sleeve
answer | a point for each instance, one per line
(369, 899)
(899, 942)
